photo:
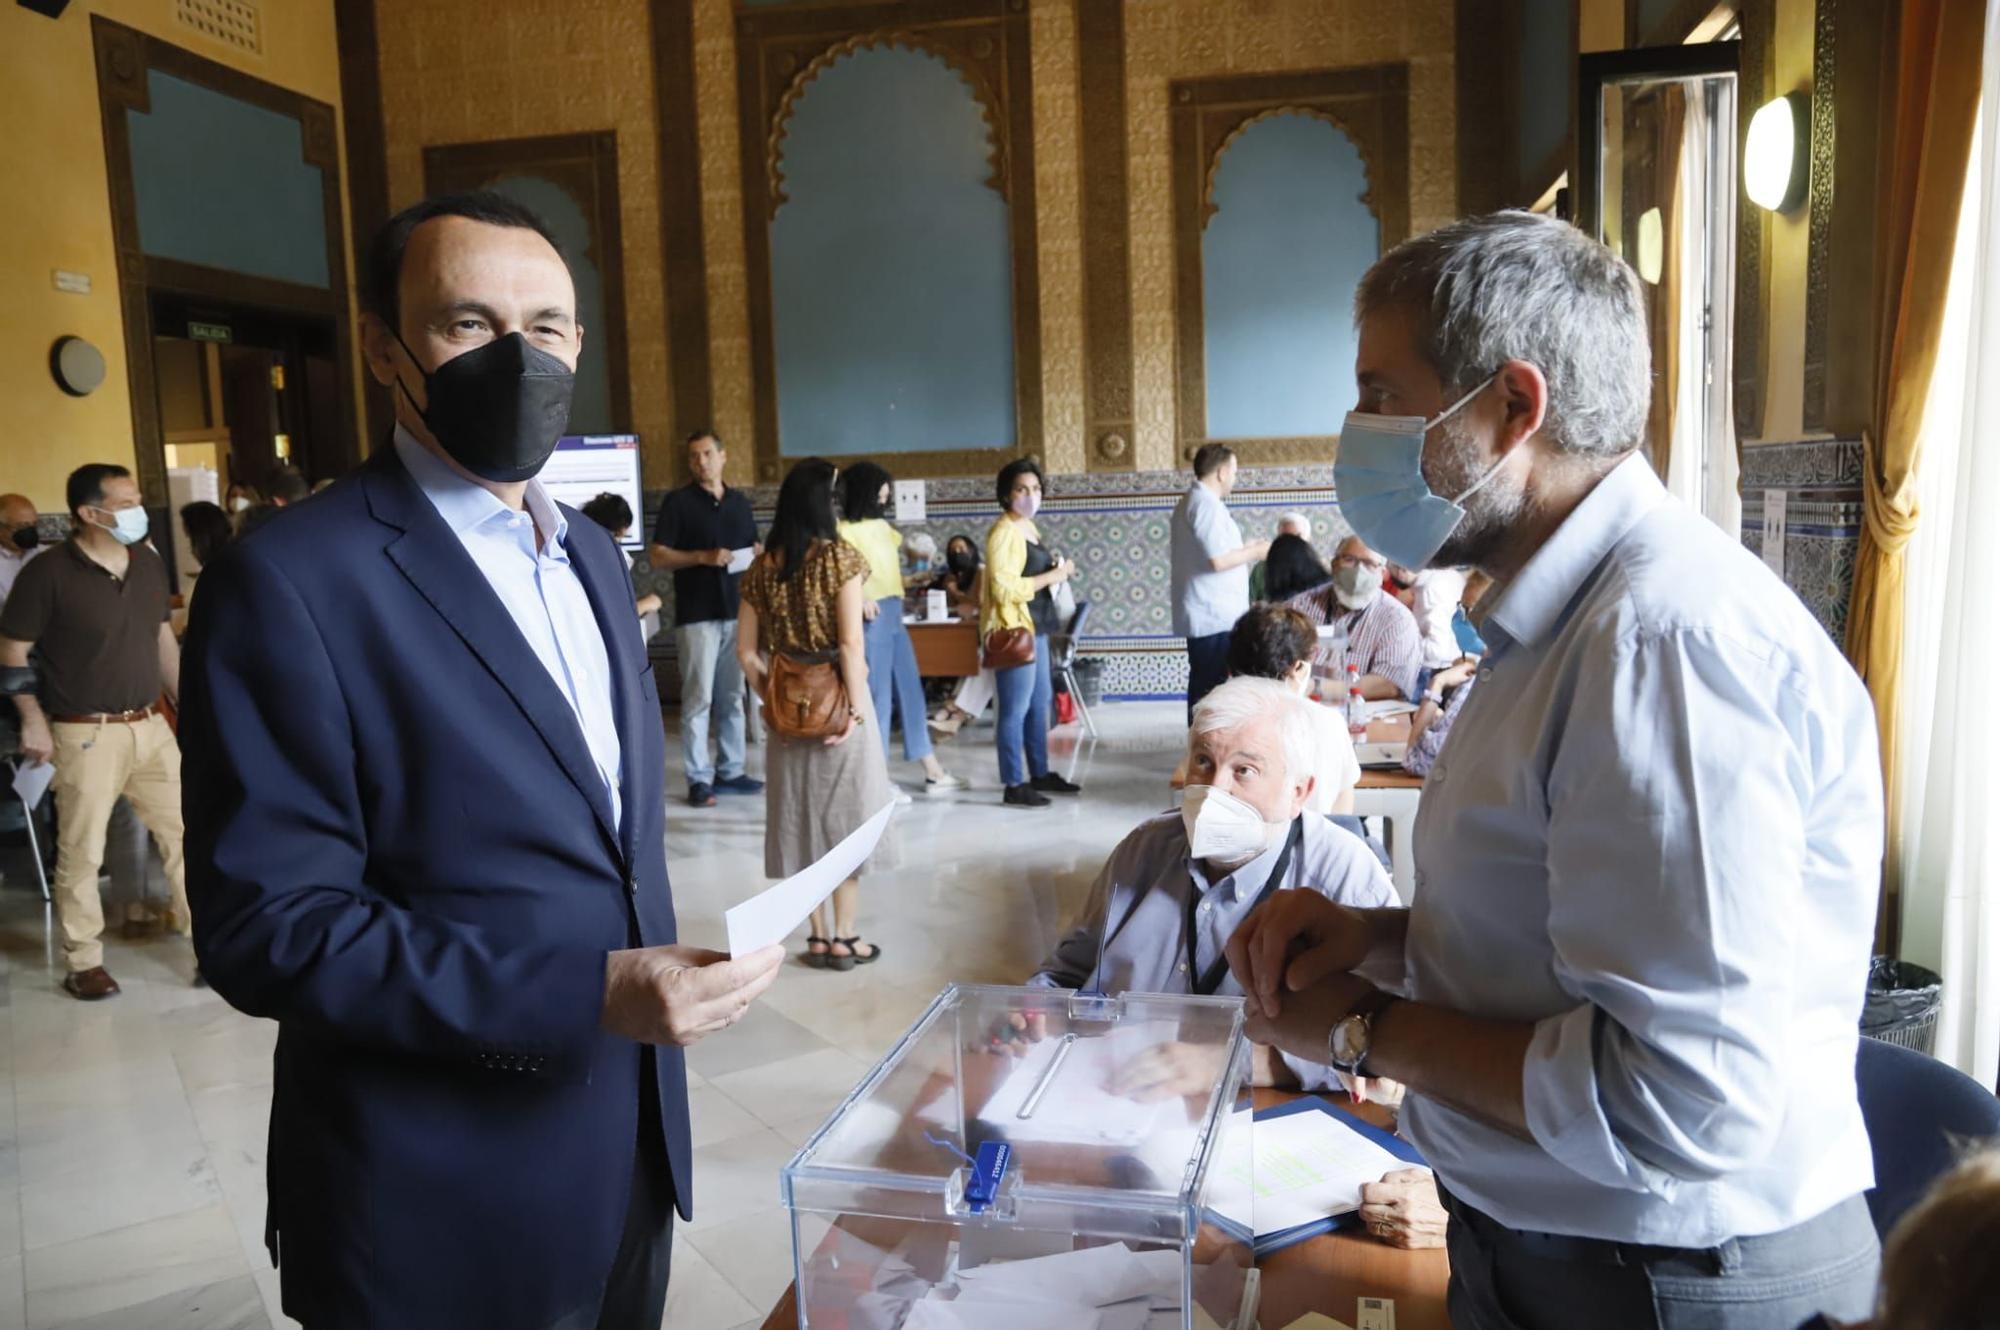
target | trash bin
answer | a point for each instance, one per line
(1090, 678)
(1902, 1003)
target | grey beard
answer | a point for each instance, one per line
(1489, 515)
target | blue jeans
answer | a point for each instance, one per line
(1025, 698)
(892, 669)
(1777, 1281)
(1208, 665)
(711, 685)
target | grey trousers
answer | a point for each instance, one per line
(1779, 1281)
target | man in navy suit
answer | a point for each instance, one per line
(424, 776)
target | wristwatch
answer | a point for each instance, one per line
(1353, 1035)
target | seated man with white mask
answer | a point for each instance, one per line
(1374, 630)
(1158, 916)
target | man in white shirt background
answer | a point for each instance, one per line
(1211, 569)
(1647, 858)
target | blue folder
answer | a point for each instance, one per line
(1395, 1145)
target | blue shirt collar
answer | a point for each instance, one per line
(1257, 871)
(466, 505)
(1530, 606)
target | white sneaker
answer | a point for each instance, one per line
(902, 797)
(944, 784)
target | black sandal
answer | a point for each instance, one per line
(853, 957)
(817, 959)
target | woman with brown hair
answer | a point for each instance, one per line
(802, 599)
(1019, 573)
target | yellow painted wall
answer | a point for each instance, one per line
(1785, 257)
(52, 158)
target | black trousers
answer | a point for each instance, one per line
(635, 1297)
(1208, 665)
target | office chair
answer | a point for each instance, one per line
(1921, 1114)
(1064, 644)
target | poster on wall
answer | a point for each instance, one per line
(1774, 531)
(909, 501)
(584, 466)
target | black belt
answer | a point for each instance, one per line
(1567, 1247)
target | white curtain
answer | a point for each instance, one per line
(1948, 788)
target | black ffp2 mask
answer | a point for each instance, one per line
(26, 538)
(497, 410)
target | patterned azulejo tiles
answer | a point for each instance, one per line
(1821, 481)
(1115, 527)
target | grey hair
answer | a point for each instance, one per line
(1518, 286)
(1244, 700)
(1300, 520)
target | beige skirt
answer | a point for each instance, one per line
(816, 796)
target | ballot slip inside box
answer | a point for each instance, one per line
(1008, 1164)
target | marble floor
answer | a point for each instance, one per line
(132, 1131)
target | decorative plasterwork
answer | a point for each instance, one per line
(1368, 169)
(955, 59)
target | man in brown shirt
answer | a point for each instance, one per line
(95, 608)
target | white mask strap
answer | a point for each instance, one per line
(1453, 409)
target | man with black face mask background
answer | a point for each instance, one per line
(427, 835)
(20, 541)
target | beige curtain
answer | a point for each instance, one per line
(1926, 147)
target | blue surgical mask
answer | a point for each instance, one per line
(129, 525)
(1378, 480)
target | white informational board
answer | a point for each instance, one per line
(910, 501)
(1774, 530)
(584, 466)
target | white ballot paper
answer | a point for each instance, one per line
(770, 916)
(739, 560)
(32, 782)
(1308, 1166)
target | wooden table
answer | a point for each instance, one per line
(1324, 1274)
(1328, 1273)
(946, 650)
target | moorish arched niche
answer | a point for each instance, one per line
(891, 269)
(1290, 232)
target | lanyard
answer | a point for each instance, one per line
(1205, 982)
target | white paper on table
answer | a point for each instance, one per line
(771, 915)
(32, 782)
(1307, 1167)
(1388, 706)
(1090, 1277)
(739, 560)
(939, 1315)
(1079, 1108)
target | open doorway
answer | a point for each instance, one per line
(242, 392)
(1657, 183)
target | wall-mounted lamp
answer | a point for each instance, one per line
(1774, 153)
(1650, 246)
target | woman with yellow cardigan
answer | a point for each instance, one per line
(1019, 573)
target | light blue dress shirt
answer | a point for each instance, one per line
(1148, 952)
(539, 589)
(1205, 602)
(1655, 831)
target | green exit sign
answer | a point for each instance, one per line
(209, 332)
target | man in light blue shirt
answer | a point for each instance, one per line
(521, 553)
(1647, 857)
(1210, 568)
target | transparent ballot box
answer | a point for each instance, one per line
(1030, 1157)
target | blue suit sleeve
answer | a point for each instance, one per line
(286, 923)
